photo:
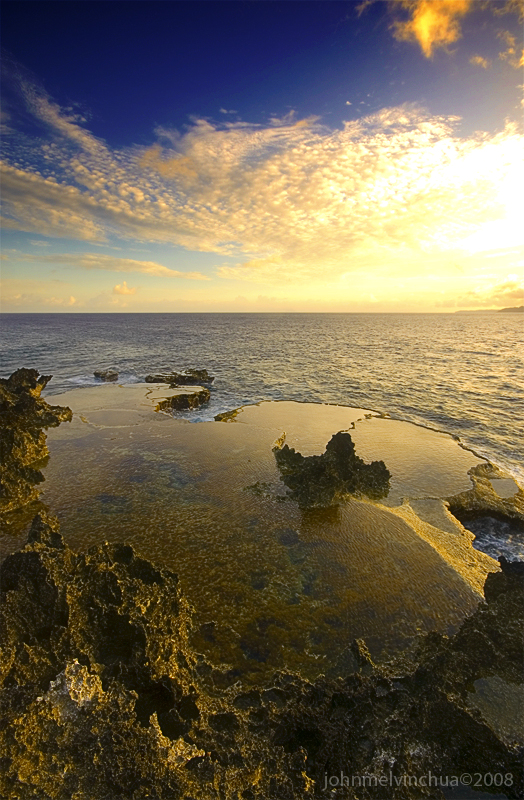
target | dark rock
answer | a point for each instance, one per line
(106, 374)
(23, 417)
(185, 400)
(101, 687)
(322, 481)
(189, 377)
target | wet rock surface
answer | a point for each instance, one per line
(322, 481)
(188, 377)
(483, 498)
(23, 417)
(185, 400)
(103, 696)
(108, 375)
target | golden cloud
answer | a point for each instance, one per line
(123, 288)
(432, 23)
(289, 200)
(508, 293)
(512, 54)
(479, 61)
(113, 264)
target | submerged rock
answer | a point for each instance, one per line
(101, 687)
(322, 481)
(106, 374)
(23, 417)
(189, 377)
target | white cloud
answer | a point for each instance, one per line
(292, 200)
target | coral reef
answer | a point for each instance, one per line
(189, 377)
(23, 417)
(103, 697)
(322, 481)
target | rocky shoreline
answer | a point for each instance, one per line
(23, 416)
(105, 694)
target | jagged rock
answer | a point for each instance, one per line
(106, 374)
(322, 481)
(482, 499)
(184, 400)
(189, 377)
(23, 417)
(101, 687)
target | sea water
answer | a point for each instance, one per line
(458, 373)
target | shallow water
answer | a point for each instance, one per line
(279, 587)
(457, 373)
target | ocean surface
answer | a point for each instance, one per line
(461, 374)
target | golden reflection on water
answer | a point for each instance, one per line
(272, 586)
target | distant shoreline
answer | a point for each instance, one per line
(518, 309)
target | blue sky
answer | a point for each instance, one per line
(262, 156)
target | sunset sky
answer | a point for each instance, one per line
(262, 156)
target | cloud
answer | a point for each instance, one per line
(506, 294)
(479, 61)
(436, 23)
(431, 23)
(290, 200)
(21, 293)
(113, 264)
(123, 288)
(512, 54)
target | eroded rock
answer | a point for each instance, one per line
(108, 375)
(188, 377)
(322, 481)
(185, 400)
(101, 687)
(23, 417)
(483, 499)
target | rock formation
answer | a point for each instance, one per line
(322, 481)
(23, 417)
(108, 375)
(102, 695)
(186, 400)
(189, 377)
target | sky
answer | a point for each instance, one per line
(262, 156)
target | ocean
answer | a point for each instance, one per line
(457, 373)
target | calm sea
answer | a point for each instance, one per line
(456, 373)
